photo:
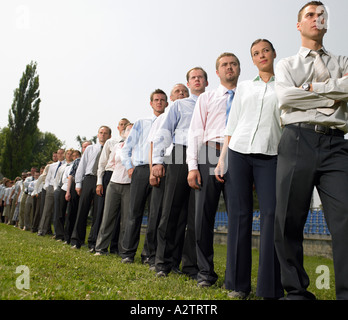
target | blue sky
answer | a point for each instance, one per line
(98, 61)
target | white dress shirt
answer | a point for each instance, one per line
(50, 174)
(106, 160)
(87, 163)
(207, 124)
(254, 120)
(120, 174)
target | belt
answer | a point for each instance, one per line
(215, 145)
(320, 129)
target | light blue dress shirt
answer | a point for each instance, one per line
(174, 128)
(135, 151)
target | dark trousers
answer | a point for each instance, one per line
(140, 190)
(206, 202)
(244, 170)
(155, 214)
(37, 215)
(175, 205)
(307, 159)
(56, 208)
(71, 214)
(87, 197)
(61, 215)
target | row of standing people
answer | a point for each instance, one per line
(181, 160)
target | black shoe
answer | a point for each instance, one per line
(204, 284)
(127, 260)
(176, 270)
(161, 274)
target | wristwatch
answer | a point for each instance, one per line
(306, 86)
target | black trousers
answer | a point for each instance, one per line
(154, 218)
(61, 215)
(71, 213)
(176, 205)
(246, 170)
(140, 191)
(206, 202)
(87, 197)
(307, 159)
(37, 214)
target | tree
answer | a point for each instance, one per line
(81, 140)
(45, 144)
(22, 124)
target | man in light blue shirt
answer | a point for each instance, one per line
(135, 158)
(177, 192)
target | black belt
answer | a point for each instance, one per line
(213, 144)
(320, 129)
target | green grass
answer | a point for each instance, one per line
(57, 272)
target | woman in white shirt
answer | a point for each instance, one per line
(249, 158)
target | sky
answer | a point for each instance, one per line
(99, 60)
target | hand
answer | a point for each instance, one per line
(99, 190)
(78, 191)
(154, 181)
(194, 179)
(130, 172)
(219, 171)
(67, 196)
(158, 171)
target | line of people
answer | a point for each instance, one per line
(230, 139)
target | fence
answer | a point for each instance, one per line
(315, 223)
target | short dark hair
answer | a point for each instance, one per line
(157, 91)
(311, 3)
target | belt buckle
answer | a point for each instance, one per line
(321, 129)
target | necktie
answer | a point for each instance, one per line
(59, 164)
(95, 166)
(229, 103)
(321, 74)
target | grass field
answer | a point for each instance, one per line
(56, 272)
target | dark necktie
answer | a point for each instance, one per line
(57, 168)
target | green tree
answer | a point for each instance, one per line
(22, 124)
(45, 144)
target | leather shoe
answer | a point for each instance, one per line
(127, 260)
(204, 284)
(160, 274)
(237, 294)
(176, 270)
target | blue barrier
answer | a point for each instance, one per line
(315, 223)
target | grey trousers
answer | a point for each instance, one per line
(47, 214)
(116, 198)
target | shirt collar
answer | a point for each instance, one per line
(304, 52)
(222, 90)
(258, 78)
